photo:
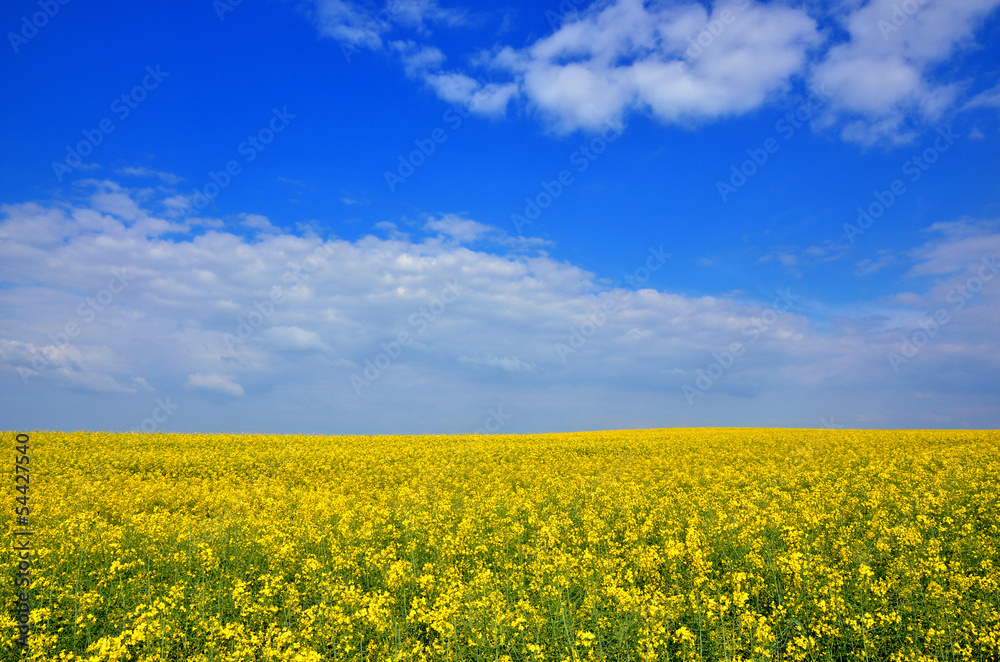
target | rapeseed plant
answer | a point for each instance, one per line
(698, 544)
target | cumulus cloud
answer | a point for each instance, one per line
(627, 56)
(81, 367)
(883, 73)
(484, 326)
(683, 63)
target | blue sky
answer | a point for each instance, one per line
(423, 216)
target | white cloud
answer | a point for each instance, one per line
(362, 27)
(216, 383)
(683, 64)
(81, 367)
(417, 59)
(294, 338)
(508, 363)
(258, 222)
(143, 383)
(458, 228)
(883, 73)
(165, 177)
(987, 99)
(959, 246)
(868, 266)
(794, 257)
(419, 13)
(307, 333)
(627, 56)
(476, 94)
(351, 23)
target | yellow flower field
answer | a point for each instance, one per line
(695, 544)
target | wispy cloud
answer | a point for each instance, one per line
(214, 383)
(165, 177)
(508, 363)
